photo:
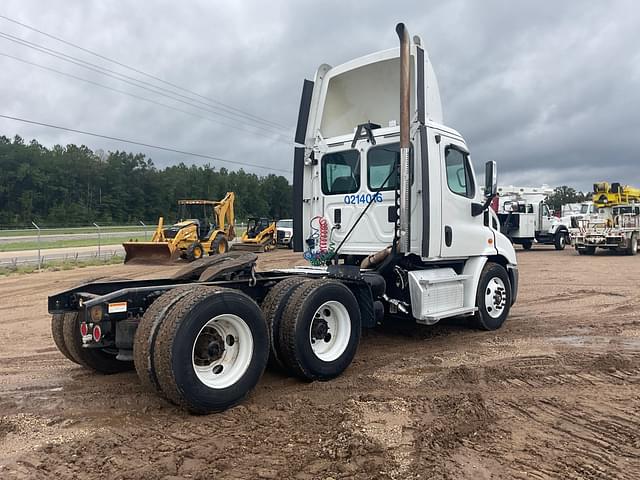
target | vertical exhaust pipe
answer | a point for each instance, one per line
(405, 144)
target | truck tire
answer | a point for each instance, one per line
(273, 306)
(57, 324)
(586, 250)
(99, 359)
(493, 297)
(194, 252)
(211, 349)
(219, 245)
(527, 244)
(632, 249)
(320, 330)
(144, 340)
(560, 240)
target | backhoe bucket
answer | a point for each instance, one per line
(149, 253)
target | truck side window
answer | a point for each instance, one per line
(459, 177)
(381, 161)
(341, 172)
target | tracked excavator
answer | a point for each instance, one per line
(260, 236)
(203, 227)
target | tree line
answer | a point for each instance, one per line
(73, 185)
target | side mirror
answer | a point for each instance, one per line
(490, 179)
(490, 188)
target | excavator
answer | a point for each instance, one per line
(203, 227)
(609, 195)
(260, 236)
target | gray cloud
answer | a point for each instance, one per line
(547, 89)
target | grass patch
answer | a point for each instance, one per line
(58, 265)
(44, 244)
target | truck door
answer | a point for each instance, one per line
(544, 218)
(462, 234)
(381, 177)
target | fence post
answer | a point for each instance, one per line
(99, 238)
(39, 257)
(145, 230)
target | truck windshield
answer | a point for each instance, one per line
(285, 223)
(584, 209)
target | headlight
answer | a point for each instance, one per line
(96, 313)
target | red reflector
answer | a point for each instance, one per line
(84, 329)
(97, 333)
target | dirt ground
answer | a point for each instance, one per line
(554, 394)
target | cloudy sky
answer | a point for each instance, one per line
(548, 89)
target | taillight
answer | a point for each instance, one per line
(97, 333)
(84, 329)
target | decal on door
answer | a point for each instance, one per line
(362, 198)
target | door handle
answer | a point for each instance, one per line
(448, 235)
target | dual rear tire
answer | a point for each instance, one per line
(315, 327)
(202, 348)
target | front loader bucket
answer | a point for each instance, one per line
(149, 253)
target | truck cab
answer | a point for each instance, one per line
(348, 173)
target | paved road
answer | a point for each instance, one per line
(31, 256)
(72, 236)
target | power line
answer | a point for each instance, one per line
(125, 78)
(116, 62)
(129, 80)
(155, 102)
(143, 144)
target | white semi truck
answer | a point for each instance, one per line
(525, 217)
(386, 204)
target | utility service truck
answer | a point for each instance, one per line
(525, 217)
(387, 208)
(617, 225)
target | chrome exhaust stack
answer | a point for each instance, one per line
(405, 144)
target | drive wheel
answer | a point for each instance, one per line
(219, 245)
(146, 333)
(493, 297)
(586, 250)
(527, 244)
(632, 249)
(101, 360)
(57, 332)
(194, 252)
(211, 349)
(320, 330)
(560, 240)
(273, 306)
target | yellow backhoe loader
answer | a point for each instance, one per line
(203, 227)
(260, 236)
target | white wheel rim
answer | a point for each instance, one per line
(222, 351)
(495, 297)
(330, 331)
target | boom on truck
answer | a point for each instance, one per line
(617, 225)
(525, 217)
(393, 214)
